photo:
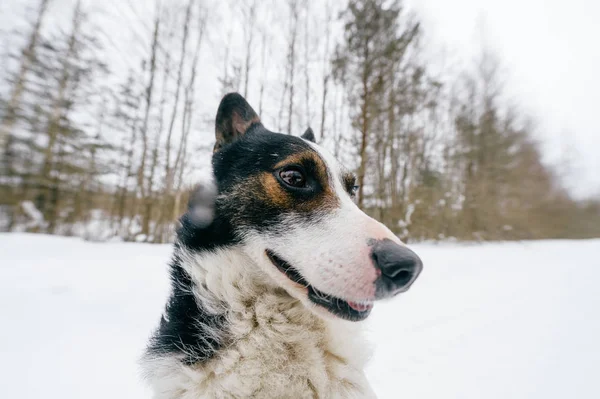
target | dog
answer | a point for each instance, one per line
(274, 267)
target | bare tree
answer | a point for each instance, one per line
(190, 90)
(149, 93)
(126, 115)
(249, 20)
(55, 118)
(231, 77)
(264, 47)
(169, 170)
(291, 58)
(326, 65)
(307, 46)
(373, 38)
(12, 106)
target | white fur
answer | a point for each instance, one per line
(276, 347)
(332, 253)
(277, 343)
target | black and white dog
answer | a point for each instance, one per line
(271, 272)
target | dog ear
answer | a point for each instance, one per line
(234, 118)
(309, 135)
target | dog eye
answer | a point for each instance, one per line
(354, 190)
(293, 177)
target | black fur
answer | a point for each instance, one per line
(259, 151)
(309, 135)
(234, 117)
(186, 328)
(218, 234)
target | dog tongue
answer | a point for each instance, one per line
(360, 307)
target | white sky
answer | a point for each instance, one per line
(551, 51)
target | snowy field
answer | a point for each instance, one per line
(509, 320)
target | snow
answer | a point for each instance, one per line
(35, 215)
(502, 320)
(32, 211)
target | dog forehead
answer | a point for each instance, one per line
(334, 168)
(264, 151)
(256, 152)
(276, 147)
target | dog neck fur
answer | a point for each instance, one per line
(272, 345)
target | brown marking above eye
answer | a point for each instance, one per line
(297, 159)
(349, 181)
(276, 194)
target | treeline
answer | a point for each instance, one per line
(96, 146)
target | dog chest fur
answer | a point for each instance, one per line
(273, 346)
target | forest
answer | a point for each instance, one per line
(107, 117)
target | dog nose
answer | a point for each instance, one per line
(399, 266)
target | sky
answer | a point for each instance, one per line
(549, 50)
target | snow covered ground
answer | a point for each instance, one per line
(507, 320)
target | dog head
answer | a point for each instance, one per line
(290, 204)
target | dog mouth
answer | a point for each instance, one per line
(348, 310)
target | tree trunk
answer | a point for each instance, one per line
(13, 104)
(292, 61)
(186, 29)
(249, 36)
(53, 131)
(364, 131)
(144, 131)
(307, 64)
